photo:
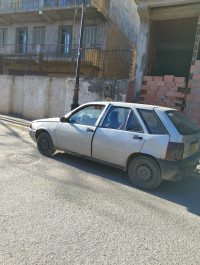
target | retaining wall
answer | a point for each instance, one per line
(36, 97)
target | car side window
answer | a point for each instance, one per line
(133, 124)
(88, 115)
(116, 118)
(152, 122)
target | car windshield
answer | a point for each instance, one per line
(182, 123)
(88, 115)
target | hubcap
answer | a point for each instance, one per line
(144, 173)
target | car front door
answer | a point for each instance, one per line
(119, 136)
(76, 132)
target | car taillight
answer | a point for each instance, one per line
(174, 151)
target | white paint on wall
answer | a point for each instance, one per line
(36, 97)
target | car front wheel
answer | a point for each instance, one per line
(144, 173)
(45, 144)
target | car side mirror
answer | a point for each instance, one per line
(63, 119)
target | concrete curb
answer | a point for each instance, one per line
(17, 126)
(15, 122)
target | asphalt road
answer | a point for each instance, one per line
(66, 210)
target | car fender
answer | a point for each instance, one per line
(156, 145)
(50, 129)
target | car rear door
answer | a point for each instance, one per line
(118, 136)
(76, 133)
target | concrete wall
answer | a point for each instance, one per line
(124, 14)
(38, 97)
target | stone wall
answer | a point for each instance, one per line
(36, 97)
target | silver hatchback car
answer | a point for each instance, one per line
(152, 143)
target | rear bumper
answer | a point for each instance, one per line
(175, 171)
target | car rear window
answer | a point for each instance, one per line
(152, 122)
(182, 123)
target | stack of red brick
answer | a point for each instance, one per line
(193, 99)
(167, 91)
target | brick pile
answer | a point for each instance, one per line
(166, 91)
(192, 108)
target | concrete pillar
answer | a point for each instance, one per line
(141, 53)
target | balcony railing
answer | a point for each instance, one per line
(23, 5)
(14, 6)
(63, 3)
(56, 50)
(60, 60)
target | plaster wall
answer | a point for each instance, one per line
(39, 97)
(6, 94)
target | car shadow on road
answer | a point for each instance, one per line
(185, 193)
(95, 168)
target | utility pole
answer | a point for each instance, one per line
(75, 103)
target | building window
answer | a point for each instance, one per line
(89, 37)
(21, 40)
(65, 40)
(63, 2)
(2, 5)
(3, 36)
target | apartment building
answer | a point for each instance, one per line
(52, 27)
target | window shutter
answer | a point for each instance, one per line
(89, 37)
(39, 36)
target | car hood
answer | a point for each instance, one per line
(48, 120)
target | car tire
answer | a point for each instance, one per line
(45, 144)
(144, 173)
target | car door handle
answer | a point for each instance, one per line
(89, 130)
(136, 137)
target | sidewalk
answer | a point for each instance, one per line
(16, 122)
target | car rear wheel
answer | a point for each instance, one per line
(45, 144)
(144, 173)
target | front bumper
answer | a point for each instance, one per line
(175, 171)
(32, 133)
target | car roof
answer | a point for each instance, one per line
(136, 105)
